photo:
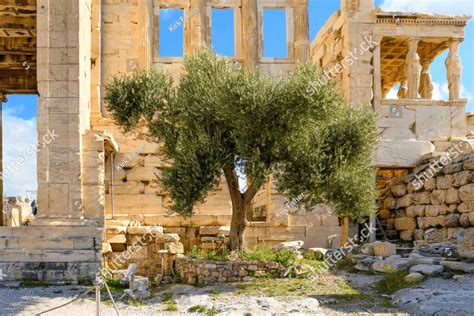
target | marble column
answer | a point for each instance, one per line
(454, 70)
(413, 69)
(301, 27)
(250, 33)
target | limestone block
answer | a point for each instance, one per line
(141, 174)
(464, 220)
(401, 153)
(433, 123)
(405, 223)
(399, 190)
(394, 263)
(166, 238)
(390, 203)
(407, 234)
(444, 182)
(466, 244)
(128, 160)
(415, 210)
(106, 248)
(209, 230)
(175, 248)
(471, 218)
(436, 235)
(404, 201)
(438, 197)
(452, 220)
(430, 184)
(466, 207)
(419, 234)
(421, 198)
(466, 192)
(462, 178)
(469, 163)
(116, 230)
(384, 214)
(452, 196)
(155, 161)
(117, 239)
(435, 210)
(414, 277)
(427, 269)
(452, 233)
(130, 187)
(145, 230)
(427, 222)
(453, 168)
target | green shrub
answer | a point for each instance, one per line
(392, 282)
(197, 253)
(197, 309)
(285, 258)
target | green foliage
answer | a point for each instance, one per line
(392, 282)
(264, 253)
(196, 252)
(170, 304)
(346, 264)
(135, 302)
(30, 283)
(221, 116)
(197, 309)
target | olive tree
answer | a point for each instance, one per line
(221, 119)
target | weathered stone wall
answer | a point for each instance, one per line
(197, 271)
(136, 195)
(147, 246)
(432, 204)
(50, 254)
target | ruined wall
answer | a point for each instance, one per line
(435, 202)
(16, 211)
(130, 179)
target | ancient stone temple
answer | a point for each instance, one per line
(97, 195)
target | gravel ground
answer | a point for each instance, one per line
(222, 298)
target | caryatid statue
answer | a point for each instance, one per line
(426, 85)
(402, 91)
(413, 69)
(454, 70)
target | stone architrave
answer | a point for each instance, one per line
(454, 70)
(413, 69)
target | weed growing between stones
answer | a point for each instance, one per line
(170, 304)
(392, 282)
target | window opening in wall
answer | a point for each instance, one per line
(274, 33)
(223, 32)
(171, 37)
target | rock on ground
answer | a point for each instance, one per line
(438, 297)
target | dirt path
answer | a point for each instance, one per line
(336, 296)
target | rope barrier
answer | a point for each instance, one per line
(65, 304)
(101, 283)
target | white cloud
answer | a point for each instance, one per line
(19, 155)
(461, 7)
(440, 91)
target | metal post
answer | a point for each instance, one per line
(112, 204)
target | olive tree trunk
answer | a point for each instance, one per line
(240, 202)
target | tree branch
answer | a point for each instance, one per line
(250, 193)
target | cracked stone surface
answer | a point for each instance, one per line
(438, 297)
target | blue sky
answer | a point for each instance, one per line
(19, 113)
